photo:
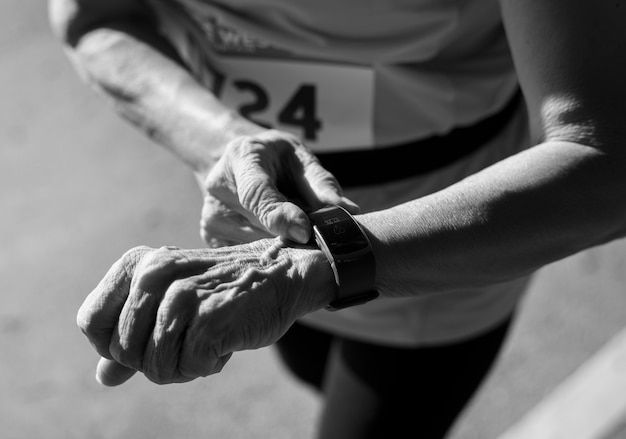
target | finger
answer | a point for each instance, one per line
(161, 357)
(258, 194)
(111, 373)
(221, 195)
(135, 323)
(318, 186)
(222, 224)
(202, 352)
(98, 315)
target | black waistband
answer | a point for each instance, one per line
(374, 166)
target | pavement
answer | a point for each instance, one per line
(78, 187)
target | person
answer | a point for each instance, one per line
(473, 142)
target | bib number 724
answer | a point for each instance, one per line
(299, 112)
(330, 107)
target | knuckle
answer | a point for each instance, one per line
(237, 151)
(134, 255)
(241, 146)
(176, 289)
(156, 262)
(88, 322)
(85, 323)
(179, 298)
(132, 258)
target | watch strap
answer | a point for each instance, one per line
(349, 252)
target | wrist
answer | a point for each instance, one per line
(315, 276)
(348, 251)
(205, 126)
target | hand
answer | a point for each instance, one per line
(176, 315)
(261, 187)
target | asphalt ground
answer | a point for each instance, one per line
(78, 187)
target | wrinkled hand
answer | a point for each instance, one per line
(261, 187)
(176, 315)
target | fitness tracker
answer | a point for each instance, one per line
(348, 250)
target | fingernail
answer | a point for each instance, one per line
(298, 234)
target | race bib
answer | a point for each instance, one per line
(329, 106)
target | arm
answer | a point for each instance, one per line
(178, 314)
(116, 47)
(561, 196)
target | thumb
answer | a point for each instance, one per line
(111, 373)
(259, 195)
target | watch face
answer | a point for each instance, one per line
(344, 238)
(348, 250)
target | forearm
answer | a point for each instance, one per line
(504, 222)
(138, 71)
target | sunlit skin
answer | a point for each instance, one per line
(177, 315)
(561, 196)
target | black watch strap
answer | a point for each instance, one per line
(348, 250)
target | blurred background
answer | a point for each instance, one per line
(78, 187)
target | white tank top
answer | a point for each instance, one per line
(347, 74)
(357, 74)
